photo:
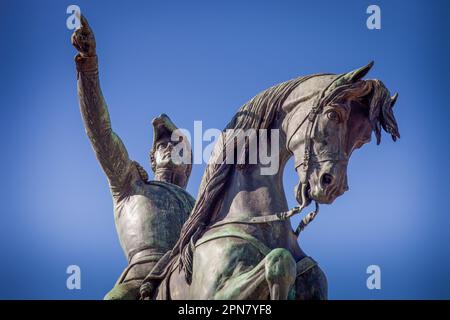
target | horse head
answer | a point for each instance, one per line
(323, 130)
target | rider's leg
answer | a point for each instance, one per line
(125, 291)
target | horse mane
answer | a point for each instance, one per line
(258, 113)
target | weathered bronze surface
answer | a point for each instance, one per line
(148, 214)
(238, 242)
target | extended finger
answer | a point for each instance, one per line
(84, 24)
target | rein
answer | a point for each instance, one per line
(277, 217)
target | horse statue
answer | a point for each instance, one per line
(238, 242)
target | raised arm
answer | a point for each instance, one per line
(108, 147)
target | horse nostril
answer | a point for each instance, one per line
(326, 179)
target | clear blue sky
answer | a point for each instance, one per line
(201, 60)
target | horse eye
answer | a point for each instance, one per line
(333, 115)
(162, 145)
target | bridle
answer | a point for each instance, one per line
(311, 122)
(283, 216)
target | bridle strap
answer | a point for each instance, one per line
(311, 117)
(322, 160)
(277, 217)
(281, 216)
(293, 134)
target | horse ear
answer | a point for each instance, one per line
(357, 74)
(394, 99)
(350, 77)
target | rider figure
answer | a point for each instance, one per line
(138, 203)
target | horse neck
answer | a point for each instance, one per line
(251, 193)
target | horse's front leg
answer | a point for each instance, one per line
(224, 268)
(272, 277)
(280, 273)
(248, 285)
(311, 285)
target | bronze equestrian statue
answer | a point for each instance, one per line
(238, 242)
(148, 214)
